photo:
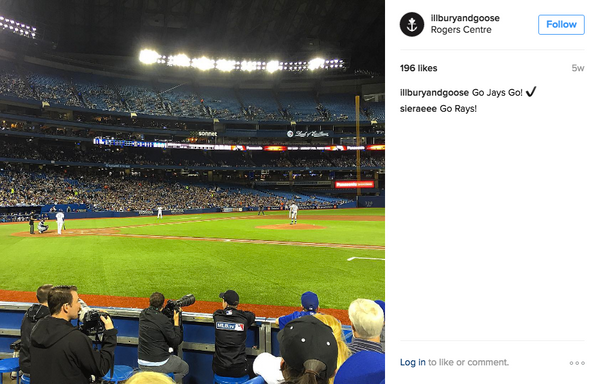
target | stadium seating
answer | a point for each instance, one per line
(340, 106)
(261, 102)
(377, 111)
(230, 380)
(121, 373)
(183, 101)
(97, 93)
(9, 365)
(145, 194)
(142, 97)
(12, 83)
(53, 89)
(256, 380)
(220, 103)
(301, 105)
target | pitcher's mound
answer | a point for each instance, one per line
(294, 226)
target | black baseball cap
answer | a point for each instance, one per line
(308, 338)
(231, 297)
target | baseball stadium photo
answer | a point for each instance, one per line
(190, 190)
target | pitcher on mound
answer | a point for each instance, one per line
(293, 213)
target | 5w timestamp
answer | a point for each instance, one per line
(418, 68)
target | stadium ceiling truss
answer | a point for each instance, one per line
(243, 28)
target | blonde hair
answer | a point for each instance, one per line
(336, 327)
(148, 377)
(366, 317)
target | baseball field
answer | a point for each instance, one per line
(338, 254)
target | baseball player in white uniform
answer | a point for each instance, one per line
(293, 213)
(60, 219)
(159, 216)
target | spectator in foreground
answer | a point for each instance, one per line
(269, 368)
(310, 306)
(381, 303)
(366, 318)
(365, 367)
(158, 334)
(336, 327)
(34, 313)
(309, 351)
(149, 378)
(231, 327)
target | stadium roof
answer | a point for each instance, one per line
(291, 29)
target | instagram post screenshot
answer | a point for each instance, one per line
(492, 225)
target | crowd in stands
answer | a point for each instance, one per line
(12, 84)
(13, 217)
(52, 89)
(359, 362)
(350, 161)
(120, 194)
(96, 96)
(72, 152)
(313, 347)
(142, 98)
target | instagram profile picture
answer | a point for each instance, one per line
(412, 24)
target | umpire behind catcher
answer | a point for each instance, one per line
(60, 353)
(157, 335)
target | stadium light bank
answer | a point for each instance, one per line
(149, 57)
(16, 27)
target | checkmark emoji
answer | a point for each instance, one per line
(531, 94)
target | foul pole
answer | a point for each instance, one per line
(357, 103)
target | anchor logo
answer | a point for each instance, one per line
(412, 24)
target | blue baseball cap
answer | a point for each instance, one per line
(310, 301)
(381, 303)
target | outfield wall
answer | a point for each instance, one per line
(198, 338)
(371, 201)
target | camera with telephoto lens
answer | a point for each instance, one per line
(175, 305)
(89, 320)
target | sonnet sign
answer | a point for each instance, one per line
(355, 184)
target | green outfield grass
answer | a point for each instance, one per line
(260, 273)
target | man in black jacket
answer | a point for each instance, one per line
(33, 314)
(158, 335)
(231, 326)
(60, 353)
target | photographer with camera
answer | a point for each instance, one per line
(158, 334)
(60, 353)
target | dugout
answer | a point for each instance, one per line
(198, 338)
